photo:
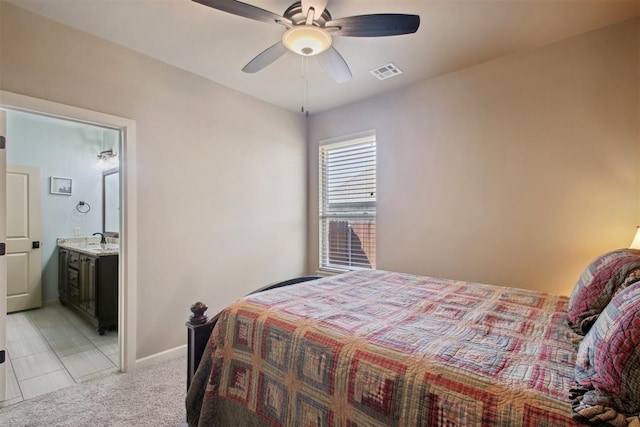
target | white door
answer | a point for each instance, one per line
(3, 259)
(24, 262)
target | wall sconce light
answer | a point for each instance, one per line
(107, 159)
(636, 240)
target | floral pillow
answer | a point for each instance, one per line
(599, 282)
(608, 364)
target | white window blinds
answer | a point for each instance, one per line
(348, 204)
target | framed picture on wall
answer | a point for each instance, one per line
(60, 186)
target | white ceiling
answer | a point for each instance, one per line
(453, 34)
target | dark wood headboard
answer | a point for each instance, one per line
(199, 326)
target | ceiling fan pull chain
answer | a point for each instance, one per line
(305, 86)
(306, 113)
(305, 81)
(306, 97)
(302, 77)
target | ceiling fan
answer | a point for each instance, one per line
(310, 29)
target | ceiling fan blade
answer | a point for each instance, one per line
(317, 5)
(245, 10)
(335, 65)
(378, 25)
(265, 58)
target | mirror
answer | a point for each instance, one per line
(111, 202)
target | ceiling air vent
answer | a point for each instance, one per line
(386, 71)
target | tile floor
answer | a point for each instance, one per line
(52, 348)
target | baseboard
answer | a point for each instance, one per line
(173, 353)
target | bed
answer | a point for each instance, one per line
(379, 348)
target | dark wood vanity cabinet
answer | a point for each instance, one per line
(63, 274)
(89, 285)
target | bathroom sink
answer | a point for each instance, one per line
(99, 246)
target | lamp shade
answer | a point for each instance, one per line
(306, 40)
(636, 240)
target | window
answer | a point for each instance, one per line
(348, 203)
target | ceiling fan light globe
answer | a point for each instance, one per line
(307, 40)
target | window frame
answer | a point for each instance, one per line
(363, 212)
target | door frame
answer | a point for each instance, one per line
(127, 274)
(3, 259)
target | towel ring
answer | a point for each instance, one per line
(83, 207)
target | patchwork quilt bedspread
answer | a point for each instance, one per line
(376, 348)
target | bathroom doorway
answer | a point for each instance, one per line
(125, 130)
(57, 345)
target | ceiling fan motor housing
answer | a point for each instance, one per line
(294, 14)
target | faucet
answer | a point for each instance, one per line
(103, 241)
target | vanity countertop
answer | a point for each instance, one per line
(90, 245)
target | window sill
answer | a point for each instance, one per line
(328, 271)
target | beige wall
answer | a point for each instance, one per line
(515, 172)
(221, 176)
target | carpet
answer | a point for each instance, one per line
(149, 396)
